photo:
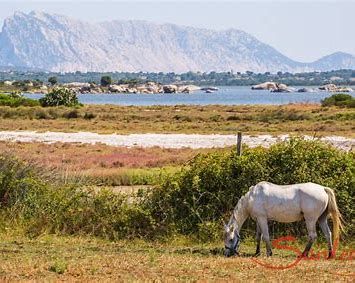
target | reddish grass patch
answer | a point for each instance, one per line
(80, 157)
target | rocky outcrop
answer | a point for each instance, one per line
(76, 84)
(282, 88)
(209, 89)
(170, 88)
(147, 88)
(305, 89)
(345, 89)
(273, 87)
(187, 88)
(335, 88)
(265, 86)
(116, 88)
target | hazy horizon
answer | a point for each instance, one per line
(303, 31)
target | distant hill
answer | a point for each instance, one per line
(338, 60)
(57, 43)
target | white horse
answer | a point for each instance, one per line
(266, 201)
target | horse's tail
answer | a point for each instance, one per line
(333, 210)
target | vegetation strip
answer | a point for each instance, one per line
(300, 119)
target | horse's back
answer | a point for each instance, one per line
(288, 203)
(310, 189)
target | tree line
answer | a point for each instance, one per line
(230, 78)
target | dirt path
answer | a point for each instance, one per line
(160, 140)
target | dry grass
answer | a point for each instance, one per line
(299, 119)
(101, 164)
(82, 157)
(54, 258)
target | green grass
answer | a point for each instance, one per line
(16, 100)
(125, 176)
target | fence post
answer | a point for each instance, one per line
(239, 144)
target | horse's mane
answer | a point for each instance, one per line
(240, 204)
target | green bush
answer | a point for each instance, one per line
(209, 187)
(106, 80)
(192, 201)
(16, 100)
(52, 80)
(339, 99)
(58, 97)
(42, 205)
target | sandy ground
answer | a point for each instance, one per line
(161, 140)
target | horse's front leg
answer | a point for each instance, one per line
(262, 222)
(258, 239)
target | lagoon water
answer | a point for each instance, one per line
(226, 95)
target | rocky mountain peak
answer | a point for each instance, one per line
(58, 43)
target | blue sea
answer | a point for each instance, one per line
(234, 95)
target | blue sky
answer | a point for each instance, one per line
(303, 30)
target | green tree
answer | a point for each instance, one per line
(52, 80)
(106, 80)
(60, 96)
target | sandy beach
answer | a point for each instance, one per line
(160, 140)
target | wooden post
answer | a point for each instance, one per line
(239, 144)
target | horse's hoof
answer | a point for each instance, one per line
(257, 254)
(331, 255)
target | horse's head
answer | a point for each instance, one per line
(231, 240)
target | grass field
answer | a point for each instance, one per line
(101, 164)
(56, 258)
(53, 257)
(298, 119)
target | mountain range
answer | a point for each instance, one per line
(54, 42)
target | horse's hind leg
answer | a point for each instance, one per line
(262, 222)
(312, 235)
(323, 224)
(258, 239)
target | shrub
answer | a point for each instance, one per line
(60, 96)
(52, 80)
(73, 114)
(192, 201)
(182, 118)
(233, 118)
(40, 114)
(207, 189)
(216, 118)
(41, 204)
(16, 100)
(339, 99)
(89, 116)
(59, 267)
(106, 80)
